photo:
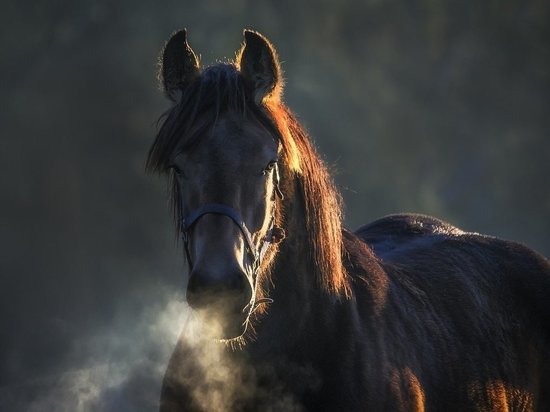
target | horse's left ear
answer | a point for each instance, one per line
(258, 62)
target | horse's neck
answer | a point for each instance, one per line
(297, 295)
(301, 307)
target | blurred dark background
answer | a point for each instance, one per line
(434, 107)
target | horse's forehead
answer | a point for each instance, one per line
(240, 139)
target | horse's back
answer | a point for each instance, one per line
(424, 241)
(392, 233)
(481, 289)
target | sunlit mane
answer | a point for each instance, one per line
(220, 89)
(322, 201)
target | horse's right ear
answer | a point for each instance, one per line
(179, 65)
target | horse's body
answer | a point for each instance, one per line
(408, 313)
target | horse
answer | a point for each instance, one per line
(407, 313)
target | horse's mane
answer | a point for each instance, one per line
(221, 89)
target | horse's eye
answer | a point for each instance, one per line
(269, 167)
(177, 170)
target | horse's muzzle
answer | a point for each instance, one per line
(220, 301)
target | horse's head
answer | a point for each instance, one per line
(221, 150)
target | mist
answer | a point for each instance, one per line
(119, 368)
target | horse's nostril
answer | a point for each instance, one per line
(204, 289)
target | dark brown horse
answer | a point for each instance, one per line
(406, 313)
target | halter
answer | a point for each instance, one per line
(256, 254)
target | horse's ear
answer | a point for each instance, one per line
(258, 62)
(179, 65)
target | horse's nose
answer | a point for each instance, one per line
(229, 291)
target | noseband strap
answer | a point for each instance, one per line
(217, 209)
